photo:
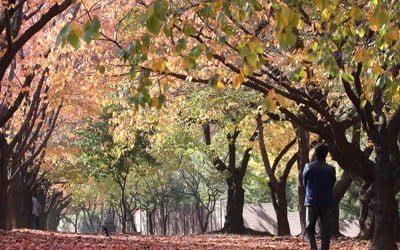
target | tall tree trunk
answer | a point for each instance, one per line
(234, 212)
(3, 202)
(386, 214)
(303, 144)
(52, 220)
(367, 211)
(280, 205)
(334, 223)
(4, 159)
(18, 205)
(123, 215)
(200, 216)
(234, 209)
(339, 190)
(150, 224)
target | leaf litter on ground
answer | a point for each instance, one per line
(35, 239)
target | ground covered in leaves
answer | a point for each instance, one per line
(33, 239)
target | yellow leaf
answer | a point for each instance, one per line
(325, 15)
(218, 5)
(355, 12)
(391, 36)
(300, 24)
(237, 81)
(377, 70)
(373, 23)
(159, 65)
(154, 102)
(361, 56)
(244, 70)
(269, 102)
(358, 55)
(283, 17)
(281, 100)
(321, 4)
(76, 28)
(220, 85)
(318, 27)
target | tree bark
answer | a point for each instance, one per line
(234, 211)
(234, 222)
(386, 214)
(4, 187)
(280, 205)
(339, 191)
(303, 142)
(367, 211)
(150, 224)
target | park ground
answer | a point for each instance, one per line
(34, 239)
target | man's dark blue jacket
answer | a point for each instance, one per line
(318, 180)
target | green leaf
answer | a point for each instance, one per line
(162, 98)
(298, 74)
(252, 58)
(363, 102)
(189, 30)
(243, 50)
(229, 30)
(153, 25)
(348, 78)
(160, 9)
(95, 27)
(168, 31)
(74, 40)
(206, 11)
(63, 35)
(257, 6)
(146, 39)
(221, 39)
(121, 54)
(190, 63)
(383, 81)
(213, 81)
(182, 44)
(102, 69)
(91, 30)
(259, 49)
(196, 51)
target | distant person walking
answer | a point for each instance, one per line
(318, 180)
(35, 213)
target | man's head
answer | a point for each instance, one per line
(321, 150)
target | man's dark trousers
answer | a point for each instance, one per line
(313, 213)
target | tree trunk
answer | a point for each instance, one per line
(234, 209)
(200, 216)
(3, 207)
(52, 220)
(334, 223)
(280, 205)
(123, 215)
(367, 212)
(18, 205)
(339, 190)
(150, 223)
(303, 144)
(386, 214)
(4, 159)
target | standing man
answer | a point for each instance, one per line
(35, 213)
(318, 180)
